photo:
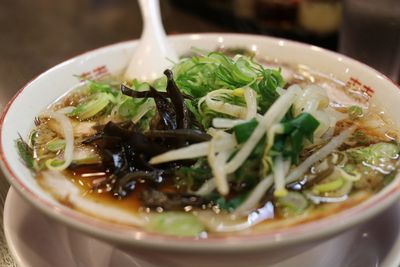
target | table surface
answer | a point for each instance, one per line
(36, 35)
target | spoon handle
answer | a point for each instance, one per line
(153, 54)
(151, 17)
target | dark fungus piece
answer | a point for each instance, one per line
(185, 135)
(139, 141)
(165, 110)
(128, 181)
(114, 160)
(164, 107)
(170, 201)
(124, 185)
(146, 94)
(95, 167)
(182, 112)
(93, 138)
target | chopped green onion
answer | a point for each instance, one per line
(294, 132)
(348, 173)
(55, 145)
(129, 107)
(176, 223)
(243, 131)
(25, 152)
(231, 204)
(304, 122)
(375, 154)
(294, 201)
(355, 112)
(98, 87)
(93, 107)
(54, 164)
(32, 138)
(88, 160)
(328, 187)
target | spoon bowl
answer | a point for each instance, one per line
(153, 54)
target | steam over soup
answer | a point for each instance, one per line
(219, 144)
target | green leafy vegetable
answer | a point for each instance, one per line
(25, 152)
(55, 145)
(360, 138)
(87, 161)
(305, 123)
(53, 163)
(129, 107)
(328, 186)
(176, 223)
(243, 131)
(92, 107)
(266, 87)
(375, 154)
(99, 87)
(293, 201)
(232, 203)
(193, 177)
(355, 112)
(199, 75)
(295, 131)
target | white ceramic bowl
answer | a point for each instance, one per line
(253, 250)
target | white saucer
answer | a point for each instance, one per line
(37, 241)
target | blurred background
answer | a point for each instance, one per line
(38, 34)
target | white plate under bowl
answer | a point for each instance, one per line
(37, 241)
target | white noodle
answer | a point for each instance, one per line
(280, 90)
(232, 222)
(230, 123)
(194, 151)
(320, 154)
(66, 110)
(214, 103)
(68, 134)
(280, 170)
(226, 123)
(275, 129)
(250, 97)
(114, 113)
(206, 188)
(274, 114)
(314, 100)
(256, 195)
(217, 163)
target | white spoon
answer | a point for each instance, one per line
(153, 54)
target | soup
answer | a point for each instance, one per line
(221, 144)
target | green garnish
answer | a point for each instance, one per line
(328, 187)
(55, 145)
(355, 112)
(176, 223)
(243, 131)
(293, 201)
(95, 104)
(291, 142)
(25, 152)
(375, 154)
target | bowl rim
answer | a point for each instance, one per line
(133, 237)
